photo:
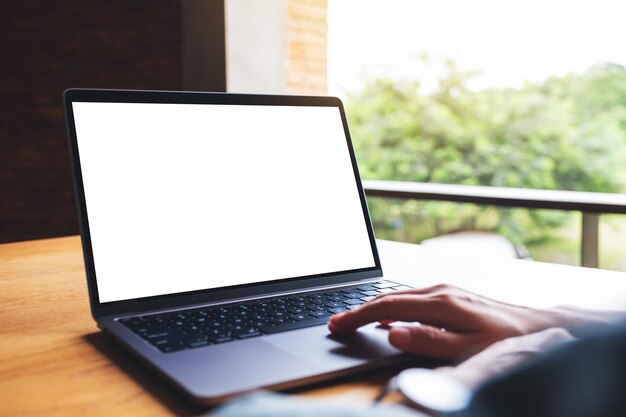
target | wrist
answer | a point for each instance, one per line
(577, 320)
(537, 320)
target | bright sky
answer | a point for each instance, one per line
(508, 41)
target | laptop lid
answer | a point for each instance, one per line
(187, 198)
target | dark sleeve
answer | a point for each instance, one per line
(583, 378)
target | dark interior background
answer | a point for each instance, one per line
(48, 46)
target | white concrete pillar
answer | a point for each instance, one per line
(256, 52)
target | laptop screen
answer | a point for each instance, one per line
(187, 197)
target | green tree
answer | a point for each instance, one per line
(565, 133)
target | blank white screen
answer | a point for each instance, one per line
(184, 197)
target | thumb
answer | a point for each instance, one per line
(428, 341)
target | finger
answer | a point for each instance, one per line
(431, 310)
(429, 341)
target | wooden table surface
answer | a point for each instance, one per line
(55, 362)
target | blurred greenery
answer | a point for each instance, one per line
(566, 133)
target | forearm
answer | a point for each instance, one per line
(577, 320)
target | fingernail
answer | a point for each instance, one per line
(400, 336)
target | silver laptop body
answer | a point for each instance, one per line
(196, 201)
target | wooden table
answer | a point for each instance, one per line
(54, 361)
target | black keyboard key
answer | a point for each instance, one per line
(249, 335)
(221, 339)
(236, 329)
(319, 313)
(172, 347)
(191, 329)
(355, 294)
(337, 310)
(132, 322)
(150, 319)
(245, 331)
(179, 334)
(198, 342)
(156, 335)
(371, 293)
(154, 324)
(136, 325)
(276, 321)
(160, 341)
(354, 302)
(334, 305)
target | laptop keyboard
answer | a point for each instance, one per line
(187, 329)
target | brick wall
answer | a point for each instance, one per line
(306, 29)
(48, 46)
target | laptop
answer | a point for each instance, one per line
(220, 231)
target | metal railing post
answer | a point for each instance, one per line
(590, 232)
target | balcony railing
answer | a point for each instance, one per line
(591, 205)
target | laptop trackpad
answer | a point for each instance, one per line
(319, 347)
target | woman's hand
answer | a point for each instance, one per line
(455, 324)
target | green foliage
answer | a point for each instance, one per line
(566, 133)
